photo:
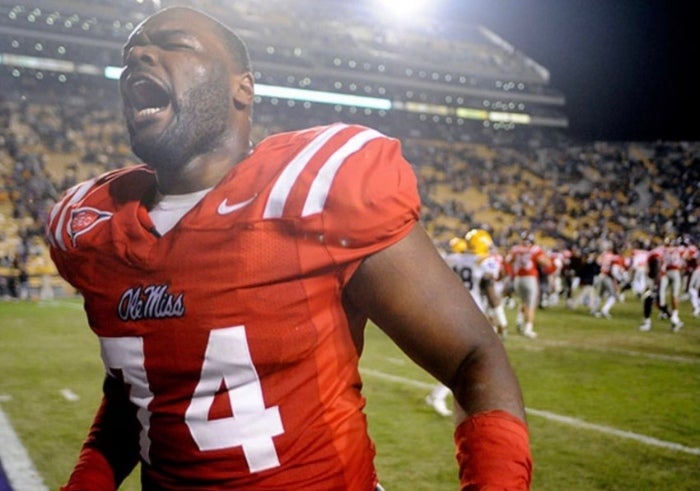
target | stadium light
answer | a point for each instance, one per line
(113, 72)
(321, 97)
(401, 11)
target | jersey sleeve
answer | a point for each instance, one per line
(373, 201)
(110, 451)
(81, 210)
(58, 228)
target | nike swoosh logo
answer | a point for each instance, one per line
(224, 208)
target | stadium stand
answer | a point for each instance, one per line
(61, 123)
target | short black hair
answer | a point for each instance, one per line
(236, 46)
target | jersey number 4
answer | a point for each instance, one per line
(227, 360)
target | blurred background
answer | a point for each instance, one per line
(568, 120)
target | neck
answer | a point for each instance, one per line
(202, 172)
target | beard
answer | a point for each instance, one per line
(200, 120)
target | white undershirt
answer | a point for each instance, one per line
(172, 207)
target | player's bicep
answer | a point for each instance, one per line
(411, 294)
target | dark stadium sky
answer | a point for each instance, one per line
(624, 65)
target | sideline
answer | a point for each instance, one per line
(577, 423)
(20, 473)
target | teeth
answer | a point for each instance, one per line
(149, 110)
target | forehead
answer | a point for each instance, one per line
(180, 21)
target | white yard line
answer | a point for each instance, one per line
(620, 351)
(19, 468)
(395, 378)
(577, 423)
(69, 395)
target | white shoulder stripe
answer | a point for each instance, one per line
(281, 189)
(78, 194)
(318, 193)
(64, 201)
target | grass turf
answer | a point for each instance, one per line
(632, 398)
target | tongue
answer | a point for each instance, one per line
(146, 95)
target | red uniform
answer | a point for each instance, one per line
(612, 265)
(523, 259)
(229, 331)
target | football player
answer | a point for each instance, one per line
(613, 274)
(638, 265)
(694, 277)
(229, 284)
(655, 292)
(672, 281)
(480, 244)
(473, 259)
(527, 260)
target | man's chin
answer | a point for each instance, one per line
(148, 153)
(144, 146)
(157, 155)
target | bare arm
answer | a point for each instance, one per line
(411, 294)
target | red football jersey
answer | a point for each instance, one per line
(523, 259)
(229, 330)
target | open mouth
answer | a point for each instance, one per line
(147, 98)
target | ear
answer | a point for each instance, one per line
(243, 85)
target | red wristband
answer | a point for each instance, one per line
(493, 452)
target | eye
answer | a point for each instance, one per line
(177, 41)
(176, 45)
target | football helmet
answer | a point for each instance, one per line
(527, 238)
(458, 244)
(479, 241)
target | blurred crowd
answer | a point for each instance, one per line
(576, 196)
(587, 195)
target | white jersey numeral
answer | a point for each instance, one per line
(227, 363)
(126, 354)
(252, 426)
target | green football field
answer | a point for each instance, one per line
(609, 408)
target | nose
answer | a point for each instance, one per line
(143, 54)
